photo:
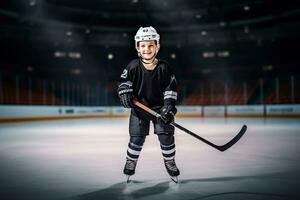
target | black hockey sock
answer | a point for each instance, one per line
(167, 146)
(135, 146)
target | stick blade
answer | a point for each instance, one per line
(234, 140)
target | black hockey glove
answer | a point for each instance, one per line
(167, 114)
(126, 96)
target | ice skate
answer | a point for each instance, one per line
(174, 179)
(129, 168)
(172, 170)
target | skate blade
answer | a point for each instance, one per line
(128, 179)
(174, 179)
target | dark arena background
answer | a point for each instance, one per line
(64, 133)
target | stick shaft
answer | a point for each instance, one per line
(218, 147)
(152, 112)
(145, 108)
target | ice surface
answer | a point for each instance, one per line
(84, 159)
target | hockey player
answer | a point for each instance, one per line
(150, 81)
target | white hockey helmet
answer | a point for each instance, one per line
(146, 33)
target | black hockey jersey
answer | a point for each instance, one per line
(154, 88)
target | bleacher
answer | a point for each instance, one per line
(25, 96)
(284, 94)
(219, 92)
(202, 92)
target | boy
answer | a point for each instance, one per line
(151, 82)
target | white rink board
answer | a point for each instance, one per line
(50, 111)
(214, 111)
(188, 110)
(283, 110)
(119, 110)
(78, 110)
(251, 110)
(15, 111)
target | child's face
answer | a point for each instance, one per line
(147, 49)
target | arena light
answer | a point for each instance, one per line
(29, 68)
(246, 8)
(203, 33)
(69, 33)
(223, 53)
(173, 55)
(222, 24)
(32, 3)
(208, 54)
(198, 16)
(76, 71)
(267, 68)
(60, 54)
(110, 56)
(75, 55)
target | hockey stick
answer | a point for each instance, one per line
(218, 147)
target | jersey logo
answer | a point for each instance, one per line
(173, 79)
(124, 74)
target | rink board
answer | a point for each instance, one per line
(14, 113)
